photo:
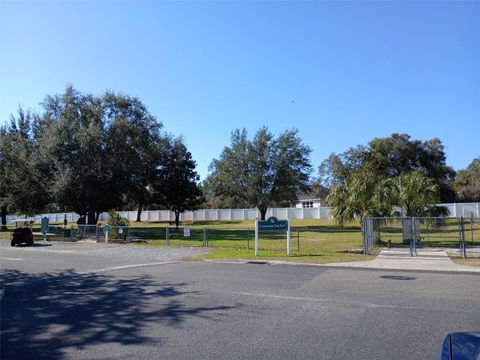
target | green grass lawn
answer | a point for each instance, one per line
(316, 241)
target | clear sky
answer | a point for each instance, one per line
(340, 72)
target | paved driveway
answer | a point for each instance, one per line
(110, 251)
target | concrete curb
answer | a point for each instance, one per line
(347, 266)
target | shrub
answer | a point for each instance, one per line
(114, 219)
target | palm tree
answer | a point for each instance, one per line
(415, 194)
(363, 195)
(367, 195)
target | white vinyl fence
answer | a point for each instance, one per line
(455, 209)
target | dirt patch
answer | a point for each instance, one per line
(467, 261)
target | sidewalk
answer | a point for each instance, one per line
(400, 259)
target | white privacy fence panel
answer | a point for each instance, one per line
(280, 213)
(455, 209)
(324, 213)
(470, 210)
(239, 214)
(295, 213)
(311, 213)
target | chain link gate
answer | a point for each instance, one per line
(456, 235)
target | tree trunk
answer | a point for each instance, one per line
(4, 218)
(263, 212)
(177, 218)
(97, 215)
(139, 213)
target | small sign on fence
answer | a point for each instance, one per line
(45, 223)
(106, 229)
(186, 231)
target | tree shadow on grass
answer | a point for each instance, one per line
(45, 315)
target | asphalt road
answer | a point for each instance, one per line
(63, 303)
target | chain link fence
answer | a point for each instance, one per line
(460, 235)
(87, 233)
(319, 241)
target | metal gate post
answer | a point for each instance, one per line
(364, 238)
(471, 227)
(167, 236)
(462, 239)
(298, 240)
(367, 227)
(413, 238)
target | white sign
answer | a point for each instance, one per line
(186, 231)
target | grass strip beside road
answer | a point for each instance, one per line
(246, 254)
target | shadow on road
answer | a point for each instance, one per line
(34, 245)
(44, 315)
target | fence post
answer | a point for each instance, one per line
(256, 237)
(248, 238)
(288, 237)
(471, 227)
(298, 240)
(96, 234)
(205, 241)
(462, 238)
(167, 236)
(363, 224)
(365, 249)
(413, 238)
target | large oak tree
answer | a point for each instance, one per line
(390, 157)
(263, 170)
(176, 183)
(467, 182)
(23, 176)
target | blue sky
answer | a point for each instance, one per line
(340, 72)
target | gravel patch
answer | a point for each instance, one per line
(114, 250)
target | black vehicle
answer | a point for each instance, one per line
(23, 235)
(460, 346)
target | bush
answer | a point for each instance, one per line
(114, 219)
